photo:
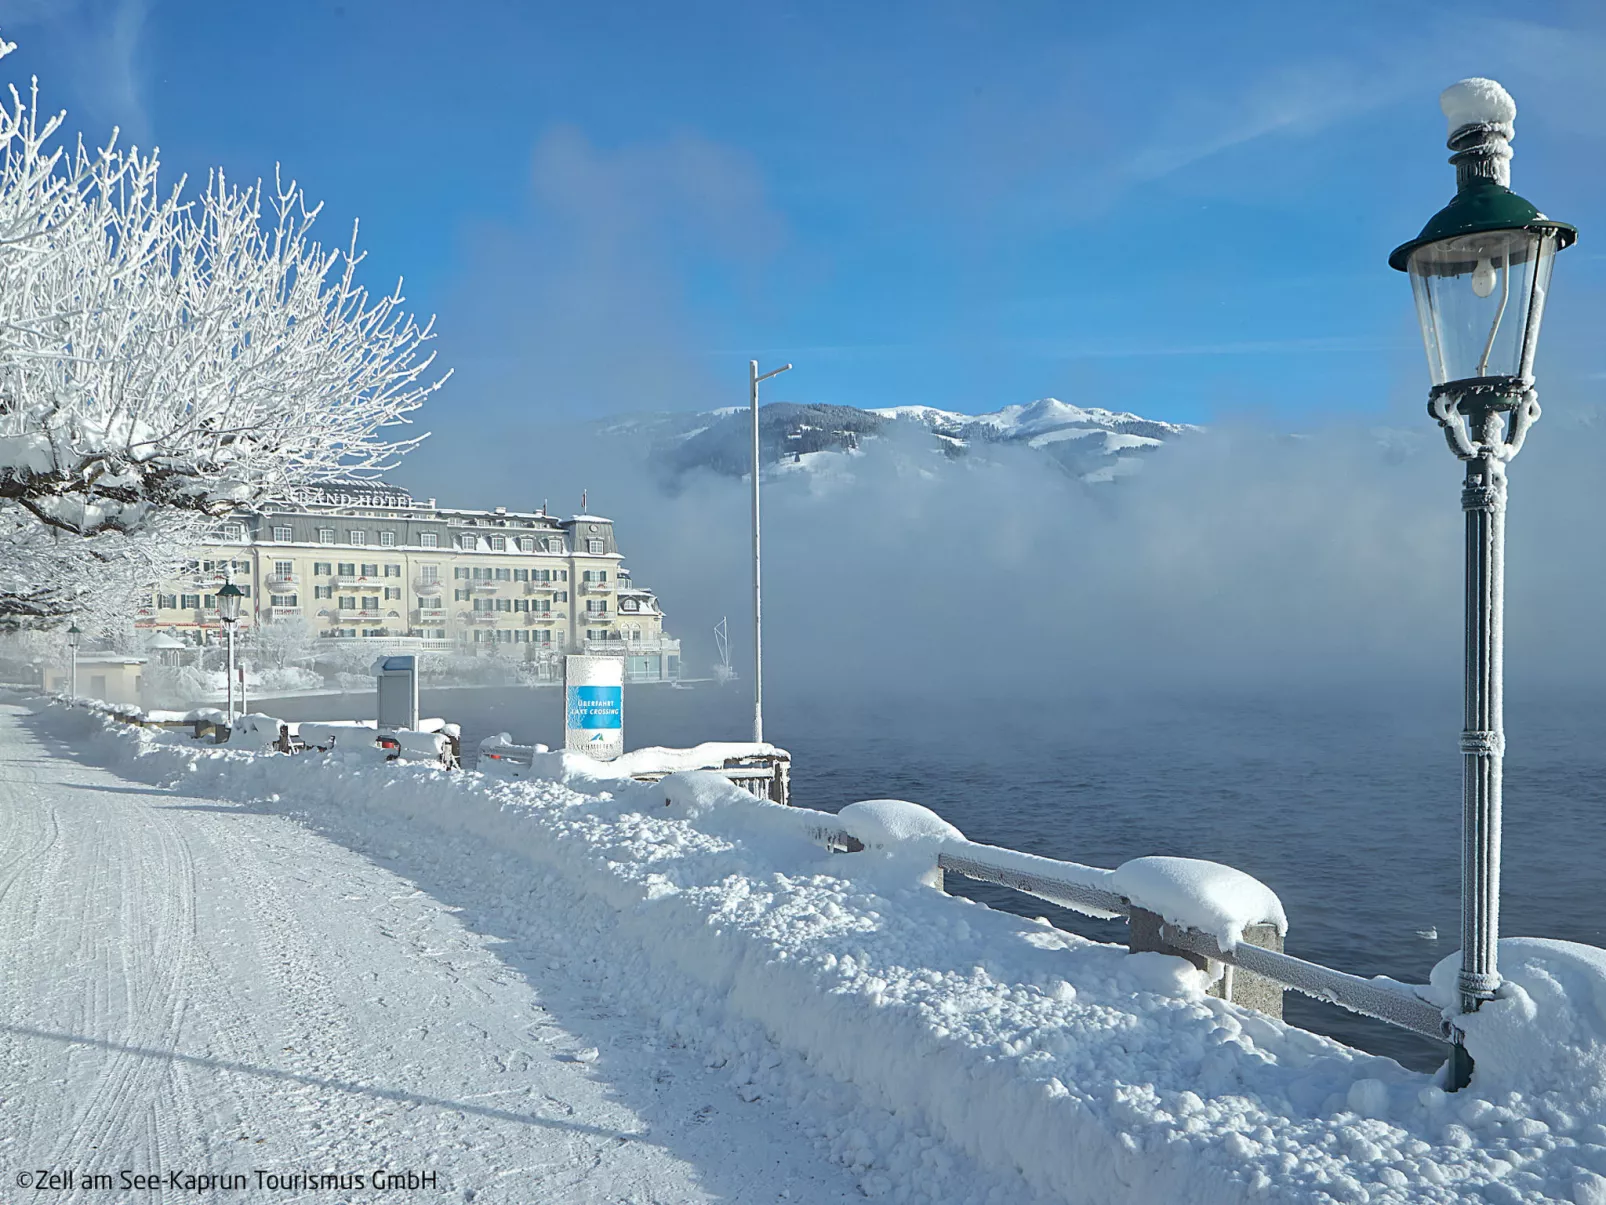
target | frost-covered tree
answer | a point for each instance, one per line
(162, 352)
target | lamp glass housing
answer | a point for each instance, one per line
(1480, 298)
(228, 602)
(73, 636)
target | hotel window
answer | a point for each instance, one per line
(468, 543)
(595, 547)
(282, 534)
(359, 537)
(498, 543)
(245, 591)
(554, 544)
(370, 570)
(629, 604)
(596, 606)
(504, 575)
(483, 604)
(561, 595)
(323, 592)
(374, 632)
(541, 636)
(348, 602)
(326, 535)
(521, 604)
(482, 574)
(322, 568)
(234, 532)
(190, 601)
(283, 600)
(521, 575)
(387, 539)
(429, 573)
(392, 592)
(348, 569)
(504, 604)
(168, 601)
(428, 540)
(242, 566)
(284, 569)
(392, 570)
(461, 571)
(209, 602)
(525, 544)
(462, 595)
(370, 602)
(522, 636)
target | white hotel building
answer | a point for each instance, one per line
(366, 564)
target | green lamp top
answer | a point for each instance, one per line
(230, 590)
(1480, 207)
(1481, 116)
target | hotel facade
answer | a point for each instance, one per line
(367, 565)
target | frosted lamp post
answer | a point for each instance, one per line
(74, 635)
(1480, 271)
(228, 610)
(758, 590)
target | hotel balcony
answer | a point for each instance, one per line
(275, 580)
(480, 616)
(347, 613)
(429, 615)
(541, 617)
(281, 612)
(596, 587)
(420, 586)
(542, 587)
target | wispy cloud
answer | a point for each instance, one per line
(107, 66)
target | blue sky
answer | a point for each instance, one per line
(1172, 208)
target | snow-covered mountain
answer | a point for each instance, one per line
(1090, 443)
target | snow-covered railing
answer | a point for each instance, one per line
(1202, 911)
(761, 769)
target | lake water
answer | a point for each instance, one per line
(1350, 811)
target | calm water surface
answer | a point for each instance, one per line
(1349, 811)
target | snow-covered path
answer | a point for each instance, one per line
(198, 987)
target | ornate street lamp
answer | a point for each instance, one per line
(1480, 271)
(74, 635)
(228, 610)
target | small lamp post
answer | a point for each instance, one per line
(228, 610)
(1480, 271)
(74, 635)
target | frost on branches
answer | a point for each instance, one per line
(165, 353)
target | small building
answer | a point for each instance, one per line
(109, 677)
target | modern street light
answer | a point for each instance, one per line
(758, 588)
(1480, 271)
(228, 610)
(74, 635)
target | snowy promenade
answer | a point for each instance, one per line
(571, 987)
(198, 987)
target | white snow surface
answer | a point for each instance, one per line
(1219, 900)
(878, 822)
(921, 1047)
(1477, 100)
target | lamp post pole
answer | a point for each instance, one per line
(74, 635)
(228, 610)
(758, 575)
(1480, 271)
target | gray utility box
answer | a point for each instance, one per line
(397, 682)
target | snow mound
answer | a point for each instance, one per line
(1477, 101)
(881, 822)
(1207, 896)
(1545, 1032)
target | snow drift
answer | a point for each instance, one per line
(939, 1029)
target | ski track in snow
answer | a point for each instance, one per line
(201, 987)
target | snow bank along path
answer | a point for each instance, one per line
(945, 1051)
(201, 988)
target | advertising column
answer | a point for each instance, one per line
(594, 703)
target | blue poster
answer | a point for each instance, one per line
(596, 706)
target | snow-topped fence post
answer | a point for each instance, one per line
(1480, 272)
